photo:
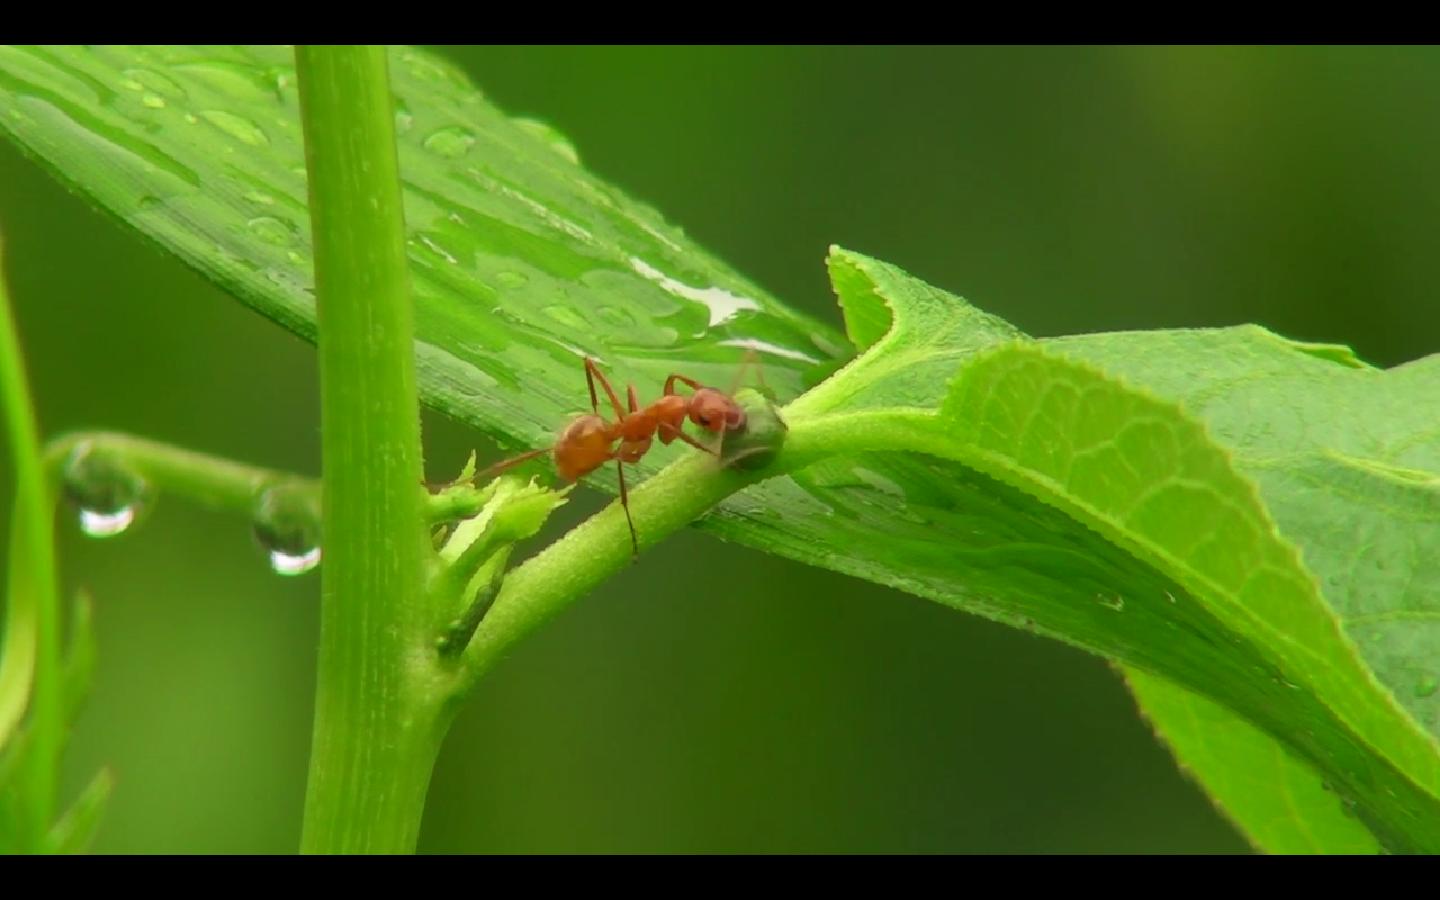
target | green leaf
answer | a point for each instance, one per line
(76, 829)
(79, 667)
(522, 261)
(1346, 458)
(1280, 803)
(76, 674)
(1198, 506)
(13, 823)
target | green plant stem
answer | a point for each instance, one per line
(210, 480)
(374, 742)
(31, 662)
(599, 547)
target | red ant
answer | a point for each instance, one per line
(588, 442)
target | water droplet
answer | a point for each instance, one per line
(451, 142)
(294, 257)
(152, 81)
(434, 247)
(766, 347)
(1116, 603)
(551, 136)
(191, 118)
(287, 564)
(566, 316)
(106, 524)
(241, 129)
(150, 201)
(260, 197)
(427, 69)
(617, 316)
(287, 525)
(1427, 686)
(404, 121)
(272, 230)
(240, 83)
(878, 482)
(722, 304)
(282, 78)
(153, 101)
(107, 492)
(511, 279)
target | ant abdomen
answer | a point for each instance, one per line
(582, 447)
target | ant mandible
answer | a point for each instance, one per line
(588, 441)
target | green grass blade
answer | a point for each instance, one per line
(76, 829)
(30, 676)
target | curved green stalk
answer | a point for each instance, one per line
(30, 666)
(374, 744)
(210, 480)
(598, 548)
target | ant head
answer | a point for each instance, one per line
(715, 412)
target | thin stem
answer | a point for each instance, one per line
(374, 739)
(457, 636)
(211, 480)
(599, 547)
(30, 666)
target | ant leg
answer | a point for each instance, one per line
(510, 463)
(687, 439)
(593, 372)
(634, 401)
(751, 359)
(670, 384)
(590, 383)
(625, 502)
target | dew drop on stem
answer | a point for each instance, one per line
(107, 492)
(287, 526)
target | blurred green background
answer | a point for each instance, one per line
(777, 708)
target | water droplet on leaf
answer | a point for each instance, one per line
(1427, 686)
(451, 143)
(566, 316)
(154, 82)
(551, 136)
(241, 129)
(617, 316)
(404, 120)
(272, 230)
